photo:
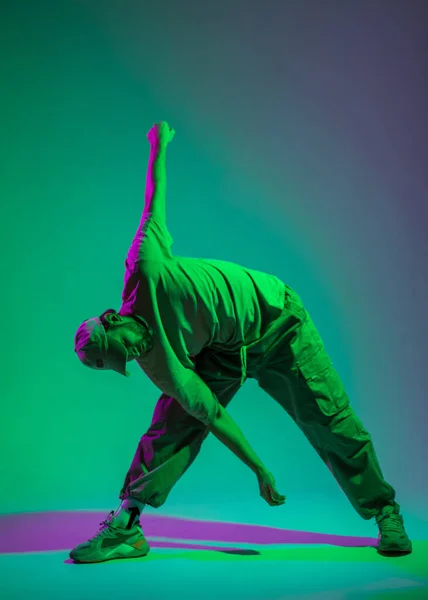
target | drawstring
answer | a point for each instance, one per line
(243, 355)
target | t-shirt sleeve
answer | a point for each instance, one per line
(152, 241)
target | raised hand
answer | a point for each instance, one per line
(160, 133)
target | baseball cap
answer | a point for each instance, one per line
(97, 350)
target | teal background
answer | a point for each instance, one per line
(300, 150)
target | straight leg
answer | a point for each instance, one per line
(302, 379)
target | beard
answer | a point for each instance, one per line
(142, 332)
(137, 328)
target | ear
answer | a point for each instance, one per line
(112, 317)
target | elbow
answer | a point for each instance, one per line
(212, 418)
(219, 411)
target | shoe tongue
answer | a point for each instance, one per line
(388, 510)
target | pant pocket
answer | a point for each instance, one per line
(324, 383)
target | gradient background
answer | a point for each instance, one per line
(300, 150)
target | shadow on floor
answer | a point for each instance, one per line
(55, 531)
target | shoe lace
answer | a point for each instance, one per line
(391, 522)
(104, 528)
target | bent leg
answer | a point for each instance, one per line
(173, 440)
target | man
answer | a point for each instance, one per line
(198, 329)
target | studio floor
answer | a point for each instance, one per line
(309, 550)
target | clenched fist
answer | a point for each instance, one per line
(160, 133)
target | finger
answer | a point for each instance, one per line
(278, 498)
(279, 494)
(277, 502)
(275, 492)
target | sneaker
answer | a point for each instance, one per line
(112, 542)
(393, 538)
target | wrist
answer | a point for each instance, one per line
(158, 146)
(260, 470)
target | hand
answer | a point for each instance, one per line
(268, 489)
(160, 133)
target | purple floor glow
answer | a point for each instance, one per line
(54, 531)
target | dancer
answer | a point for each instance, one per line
(198, 329)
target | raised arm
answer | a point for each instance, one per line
(152, 240)
(159, 136)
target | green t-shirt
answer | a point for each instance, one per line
(193, 304)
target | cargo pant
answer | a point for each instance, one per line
(291, 364)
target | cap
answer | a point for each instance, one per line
(97, 350)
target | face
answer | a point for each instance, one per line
(130, 334)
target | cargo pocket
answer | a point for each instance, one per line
(324, 383)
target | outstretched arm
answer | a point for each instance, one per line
(227, 431)
(194, 395)
(159, 136)
(152, 239)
